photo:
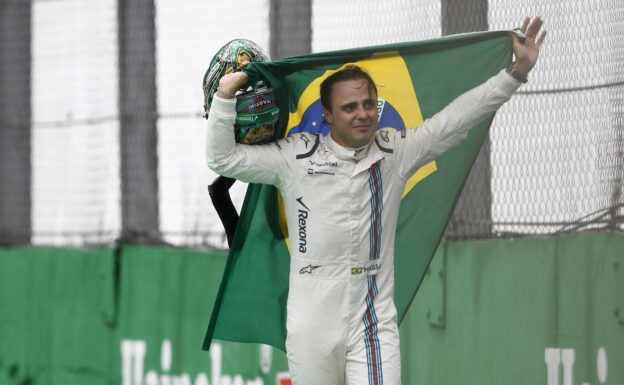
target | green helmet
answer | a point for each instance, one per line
(229, 59)
(257, 112)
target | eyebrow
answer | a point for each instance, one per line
(348, 105)
(354, 104)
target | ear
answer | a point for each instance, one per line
(327, 115)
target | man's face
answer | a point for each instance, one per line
(353, 118)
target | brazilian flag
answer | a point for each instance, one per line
(414, 80)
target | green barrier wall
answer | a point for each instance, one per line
(56, 314)
(132, 316)
(529, 311)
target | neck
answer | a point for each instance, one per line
(345, 152)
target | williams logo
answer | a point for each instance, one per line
(303, 218)
(308, 269)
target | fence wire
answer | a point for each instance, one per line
(555, 150)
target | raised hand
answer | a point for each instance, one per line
(232, 82)
(527, 53)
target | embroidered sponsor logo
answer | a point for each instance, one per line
(365, 269)
(323, 164)
(323, 152)
(313, 169)
(303, 221)
(308, 269)
(305, 139)
(373, 267)
(356, 270)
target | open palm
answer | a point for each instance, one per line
(527, 52)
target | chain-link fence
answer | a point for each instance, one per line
(553, 162)
(75, 124)
(557, 149)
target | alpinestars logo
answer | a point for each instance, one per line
(308, 269)
(303, 217)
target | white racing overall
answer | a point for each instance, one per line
(342, 207)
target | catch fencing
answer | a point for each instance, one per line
(72, 175)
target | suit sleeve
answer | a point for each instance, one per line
(451, 125)
(265, 163)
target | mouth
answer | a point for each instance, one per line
(362, 127)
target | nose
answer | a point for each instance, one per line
(361, 112)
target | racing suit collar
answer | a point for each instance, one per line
(363, 157)
(348, 153)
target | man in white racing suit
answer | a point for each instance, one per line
(341, 195)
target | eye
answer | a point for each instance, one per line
(370, 104)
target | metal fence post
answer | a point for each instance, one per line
(472, 217)
(290, 28)
(138, 120)
(15, 122)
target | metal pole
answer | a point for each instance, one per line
(138, 116)
(472, 217)
(460, 16)
(290, 28)
(15, 122)
(616, 219)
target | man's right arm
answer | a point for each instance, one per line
(266, 163)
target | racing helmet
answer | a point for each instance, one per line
(256, 105)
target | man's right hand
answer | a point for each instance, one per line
(232, 82)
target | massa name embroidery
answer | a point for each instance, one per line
(365, 269)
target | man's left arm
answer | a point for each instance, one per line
(451, 125)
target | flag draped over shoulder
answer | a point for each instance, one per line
(414, 80)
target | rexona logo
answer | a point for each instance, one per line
(303, 217)
(133, 354)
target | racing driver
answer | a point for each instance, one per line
(341, 319)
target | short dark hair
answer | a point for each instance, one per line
(349, 72)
